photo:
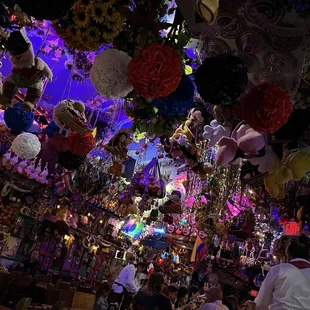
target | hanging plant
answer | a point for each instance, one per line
(90, 24)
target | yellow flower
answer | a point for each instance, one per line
(80, 18)
(98, 13)
(109, 35)
(83, 2)
(83, 33)
(70, 32)
(94, 35)
(112, 15)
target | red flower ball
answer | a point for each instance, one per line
(156, 72)
(266, 107)
(79, 144)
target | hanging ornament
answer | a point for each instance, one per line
(156, 72)
(70, 115)
(53, 129)
(109, 74)
(266, 107)
(221, 79)
(26, 146)
(178, 103)
(17, 119)
(79, 144)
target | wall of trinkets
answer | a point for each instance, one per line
(211, 152)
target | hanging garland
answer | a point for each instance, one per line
(90, 24)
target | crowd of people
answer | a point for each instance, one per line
(141, 287)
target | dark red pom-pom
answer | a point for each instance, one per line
(156, 72)
(79, 144)
(266, 107)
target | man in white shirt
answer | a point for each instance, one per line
(214, 297)
(124, 286)
(126, 279)
(287, 286)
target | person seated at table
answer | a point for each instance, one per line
(193, 296)
(32, 265)
(214, 299)
(102, 296)
(141, 276)
(150, 297)
(172, 292)
(182, 299)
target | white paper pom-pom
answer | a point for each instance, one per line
(26, 145)
(109, 74)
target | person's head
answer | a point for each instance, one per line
(140, 267)
(213, 279)
(172, 293)
(156, 283)
(34, 255)
(214, 294)
(132, 260)
(182, 295)
(193, 292)
(103, 290)
(297, 250)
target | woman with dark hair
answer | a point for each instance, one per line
(32, 265)
(150, 297)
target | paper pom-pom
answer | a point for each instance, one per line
(109, 74)
(179, 102)
(17, 119)
(52, 129)
(221, 79)
(266, 107)
(70, 161)
(156, 72)
(81, 144)
(26, 145)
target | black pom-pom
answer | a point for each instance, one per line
(221, 79)
(70, 161)
(47, 9)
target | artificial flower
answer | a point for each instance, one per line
(94, 34)
(80, 18)
(98, 13)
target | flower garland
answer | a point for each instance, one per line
(90, 24)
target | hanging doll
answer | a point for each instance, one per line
(183, 143)
(117, 146)
(28, 71)
(173, 205)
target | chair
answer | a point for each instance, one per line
(56, 295)
(4, 284)
(23, 304)
(43, 278)
(83, 301)
(113, 306)
(55, 278)
(21, 287)
(61, 285)
(59, 305)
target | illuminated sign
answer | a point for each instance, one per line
(291, 229)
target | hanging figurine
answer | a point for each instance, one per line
(117, 146)
(29, 71)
